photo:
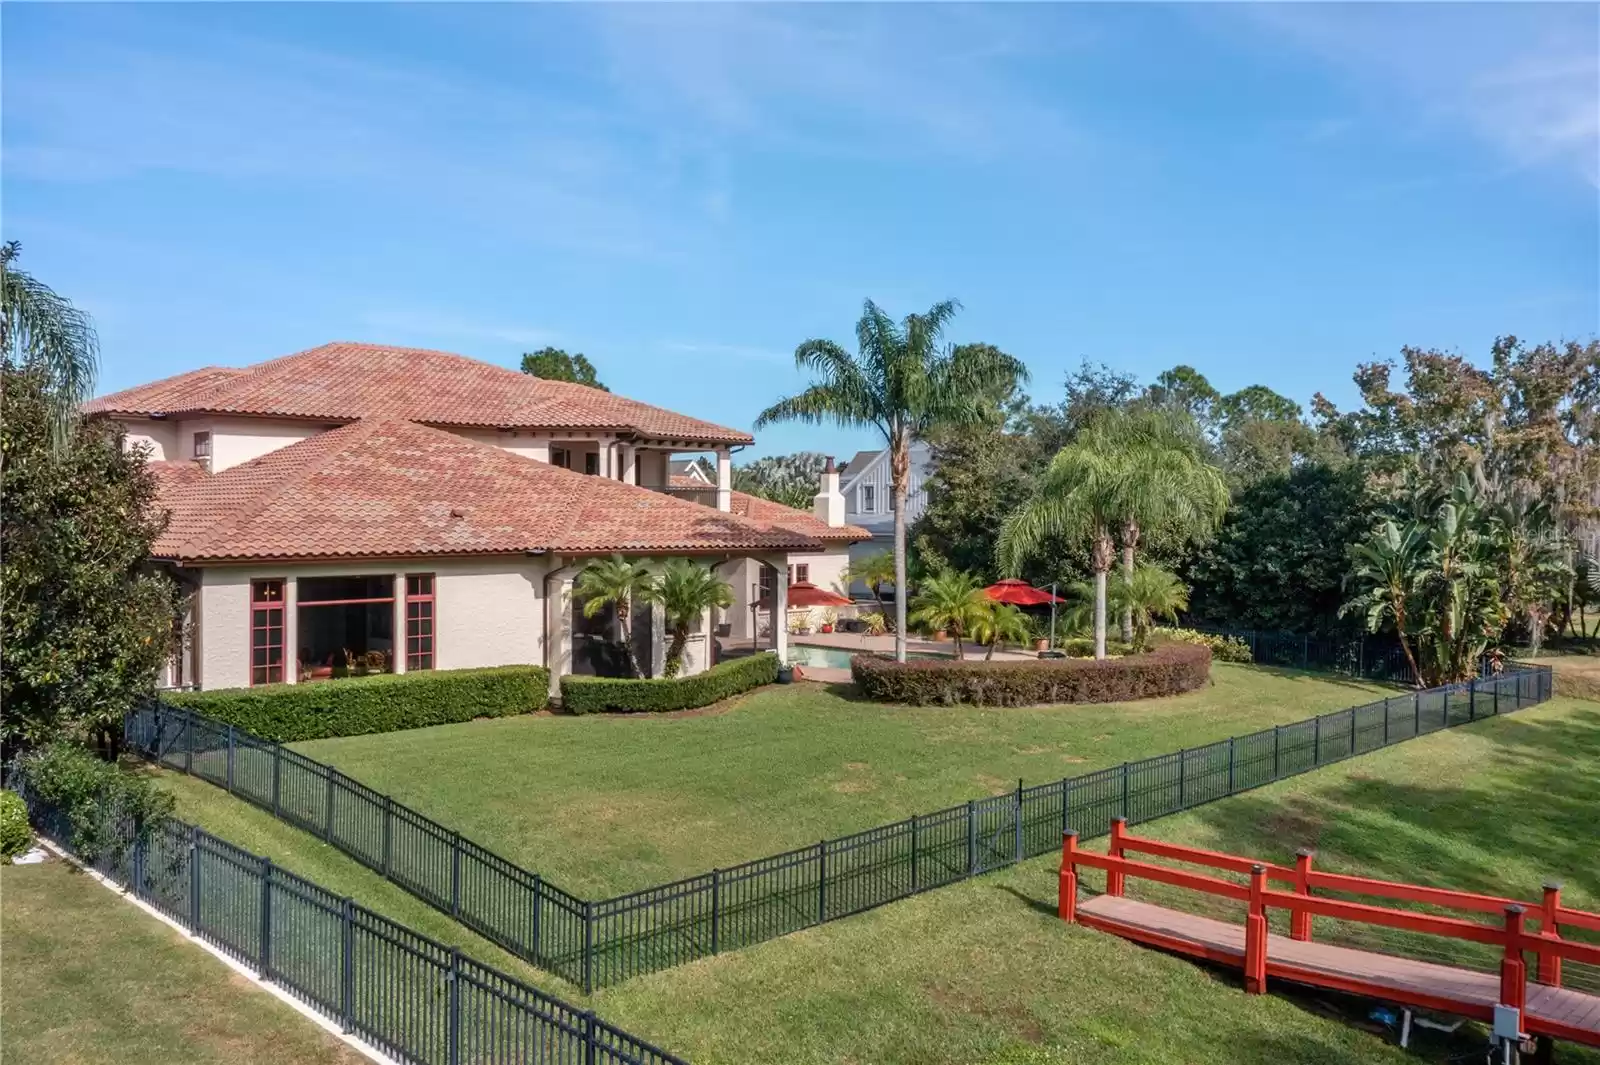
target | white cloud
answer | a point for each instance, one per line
(1524, 78)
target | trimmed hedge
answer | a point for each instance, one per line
(355, 706)
(593, 695)
(1167, 670)
(15, 835)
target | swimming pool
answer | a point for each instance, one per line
(805, 654)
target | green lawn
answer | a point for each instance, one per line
(88, 978)
(607, 804)
(982, 972)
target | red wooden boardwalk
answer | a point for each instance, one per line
(1546, 1007)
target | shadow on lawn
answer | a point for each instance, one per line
(1531, 806)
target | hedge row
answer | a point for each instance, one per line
(1167, 670)
(355, 706)
(592, 695)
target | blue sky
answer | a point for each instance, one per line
(1271, 193)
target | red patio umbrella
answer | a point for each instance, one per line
(1020, 593)
(804, 594)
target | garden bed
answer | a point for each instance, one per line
(1170, 669)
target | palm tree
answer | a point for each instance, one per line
(1079, 496)
(1168, 482)
(902, 381)
(619, 583)
(1000, 623)
(951, 602)
(44, 332)
(874, 571)
(1385, 568)
(686, 590)
(1150, 592)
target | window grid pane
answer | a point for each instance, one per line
(266, 632)
(419, 621)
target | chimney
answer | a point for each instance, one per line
(828, 504)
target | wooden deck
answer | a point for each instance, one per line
(1558, 1012)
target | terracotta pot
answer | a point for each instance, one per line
(939, 636)
(1041, 645)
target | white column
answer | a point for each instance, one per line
(557, 627)
(630, 464)
(724, 479)
(780, 606)
(400, 644)
(291, 631)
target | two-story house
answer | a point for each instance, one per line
(410, 509)
(869, 500)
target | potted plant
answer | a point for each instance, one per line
(828, 618)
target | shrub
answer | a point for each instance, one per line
(873, 620)
(591, 695)
(1223, 648)
(1168, 670)
(15, 835)
(95, 797)
(1083, 647)
(385, 703)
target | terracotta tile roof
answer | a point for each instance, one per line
(779, 516)
(157, 397)
(343, 381)
(389, 487)
(170, 476)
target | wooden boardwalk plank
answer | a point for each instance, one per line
(1475, 993)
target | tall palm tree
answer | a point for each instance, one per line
(902, 381)
(1000, 623)
(950, 602)
(1080, 496)
(1146, 594)
(1169, 481)
(1384, 569)
(619, 583)
(43, 331)
(686, 590)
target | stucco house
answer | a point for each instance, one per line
(409, 509)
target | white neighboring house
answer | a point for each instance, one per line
(399, 509)
(869, 501)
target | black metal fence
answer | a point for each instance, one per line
(1373, 657)
(415, 999)
(599, 943)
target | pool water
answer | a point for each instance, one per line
(802, 654)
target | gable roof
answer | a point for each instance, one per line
(344, 381)
(691, 469)
(387, 487)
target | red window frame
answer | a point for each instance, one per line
(266, 631)
(421, 630)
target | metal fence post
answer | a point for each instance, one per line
(972, 837)
(1183, 765)
(277, 774)
(1277, 745)
(1444, 716)
(1361, 656)
(454, 1021)
(266, 917)
(590, 1047)
(1416, 713)
(138, 862)
(716, 911)
(1066, 804)
(1497, 696)
(347, 954)
(1232, 762)
(327, 814)
(188, 746)
(1386, 721)
(1305, 653)
(822, 881)
(1352, 732)
(194, 879)
(388, 833)
(915, 843)
(538, 908)
(588, 948)
(232, 747)
(1316, 740)
(1017, 807)
(455, 874)
(1472, 699)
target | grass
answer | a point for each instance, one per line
(983, 973)
(88, 978)
(607, 804)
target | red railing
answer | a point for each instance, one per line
(1511, 935)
